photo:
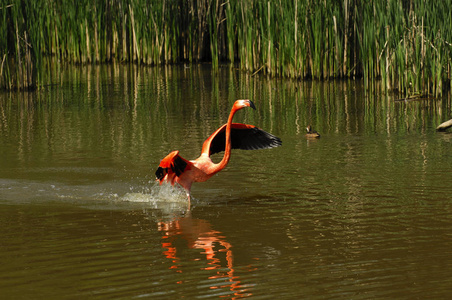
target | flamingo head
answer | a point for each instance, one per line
(239, 104)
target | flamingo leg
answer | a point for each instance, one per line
(186, 184)
(189, 201)
(187, 191)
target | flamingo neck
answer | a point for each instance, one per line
(227, 151)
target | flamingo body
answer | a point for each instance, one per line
(175, 169)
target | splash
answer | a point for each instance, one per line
(158, 196)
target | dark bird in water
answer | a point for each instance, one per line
(312, 134)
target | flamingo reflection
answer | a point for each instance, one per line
(199, 234)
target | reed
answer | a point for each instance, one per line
(405, 43)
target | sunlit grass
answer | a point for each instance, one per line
(406, 44)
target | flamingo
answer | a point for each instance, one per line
(175, 169)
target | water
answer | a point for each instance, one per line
(363, 212)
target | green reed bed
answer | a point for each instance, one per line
(406, 44)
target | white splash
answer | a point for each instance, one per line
(158, 196)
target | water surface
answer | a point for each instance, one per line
(363, 212)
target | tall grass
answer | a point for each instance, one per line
(405, 43)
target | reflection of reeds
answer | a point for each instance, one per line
(405, 43)
(125, 125)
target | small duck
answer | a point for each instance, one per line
(312, 134)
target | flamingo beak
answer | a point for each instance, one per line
(252, 105)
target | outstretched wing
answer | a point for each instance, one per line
(172, 166)
(243, 136)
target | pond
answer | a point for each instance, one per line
(365, 211)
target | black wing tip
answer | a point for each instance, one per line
(277, 142)
(263, 140)
(160, 173)
(179, 166)
(272, 140)
(252, 138)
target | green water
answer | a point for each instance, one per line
(362, 212)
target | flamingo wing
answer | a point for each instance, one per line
(172, 166)
(243, 136)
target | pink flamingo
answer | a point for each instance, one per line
(173, 168)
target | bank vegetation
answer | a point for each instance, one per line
(405, 43)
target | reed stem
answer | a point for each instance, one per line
(407, 44)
